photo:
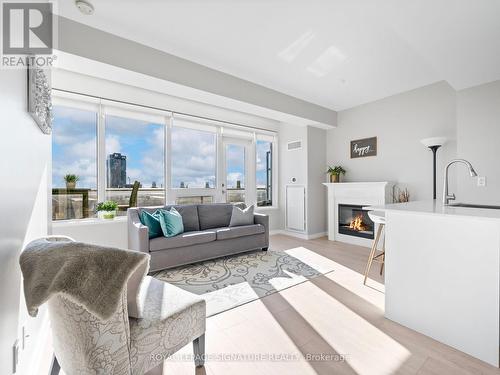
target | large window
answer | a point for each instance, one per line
(193, 158)
(264, 168)
(105, 150)
(74, 165)
(134, 152)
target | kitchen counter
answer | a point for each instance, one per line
(442, 274)
(437, 207)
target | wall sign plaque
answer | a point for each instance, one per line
(361, 148)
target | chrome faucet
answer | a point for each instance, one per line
(447, 197)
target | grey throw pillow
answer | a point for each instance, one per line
(241, 217)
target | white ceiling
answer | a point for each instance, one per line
(335, 53)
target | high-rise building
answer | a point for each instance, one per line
(117, 170)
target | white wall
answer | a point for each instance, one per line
(399, 122)
(111, 233)
(317, 193)
(24, 171)
(478, 130)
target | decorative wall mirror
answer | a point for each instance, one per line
(39, 97)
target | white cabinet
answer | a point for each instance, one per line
(296, 207)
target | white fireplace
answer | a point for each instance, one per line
(346, 220)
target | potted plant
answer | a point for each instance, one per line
(335, 173)
(107, 210)
(71, 180)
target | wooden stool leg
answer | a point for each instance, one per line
(383, 255)
(372, 252)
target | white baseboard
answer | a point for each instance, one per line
(317, 235)
(300, 235)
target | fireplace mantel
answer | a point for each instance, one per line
(354, 193)
(371, 185)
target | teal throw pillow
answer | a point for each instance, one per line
(152, 221)
(171, 222)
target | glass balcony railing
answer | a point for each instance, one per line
(234, 195)
(263, 198)
(199, 199)
(146, 197)
(80, 203)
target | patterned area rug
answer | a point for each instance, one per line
(235, 280)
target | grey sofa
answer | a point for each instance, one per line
(206, 235)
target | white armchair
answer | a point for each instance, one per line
(84, 344)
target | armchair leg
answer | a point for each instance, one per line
(265, 248)
(199, 351)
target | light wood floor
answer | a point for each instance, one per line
(333, 316)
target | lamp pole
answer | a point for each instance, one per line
(434, 150)
(433, 144)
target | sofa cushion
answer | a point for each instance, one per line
(152, 221)
(171, 222)
(241, 231)
(189, 213)
(214, 215)
(182, 240)
(241, 217)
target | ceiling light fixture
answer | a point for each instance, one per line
(85, 7)
(326, 61)
(291, 52)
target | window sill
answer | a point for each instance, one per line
(90, 221)
(266, 208)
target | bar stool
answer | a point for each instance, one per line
(378, 218)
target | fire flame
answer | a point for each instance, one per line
(357, 224)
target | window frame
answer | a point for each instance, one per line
(169, 119)
(90, 104)
(273, 139)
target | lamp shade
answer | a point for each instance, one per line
(433, 141)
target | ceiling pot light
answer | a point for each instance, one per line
(85, 7)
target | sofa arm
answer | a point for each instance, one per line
(138, 233)
(263, 220)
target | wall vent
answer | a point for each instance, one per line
(295, 145)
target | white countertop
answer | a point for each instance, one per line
(437, 208)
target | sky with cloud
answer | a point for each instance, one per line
(142, 143)
(235, 164)
(193, 158)
(74, 146)
(193, 152)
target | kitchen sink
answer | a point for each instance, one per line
(470, 205)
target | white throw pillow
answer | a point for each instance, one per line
(242, 217)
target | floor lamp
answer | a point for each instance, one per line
(433, 144)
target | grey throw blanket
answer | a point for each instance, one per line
(94, 277)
